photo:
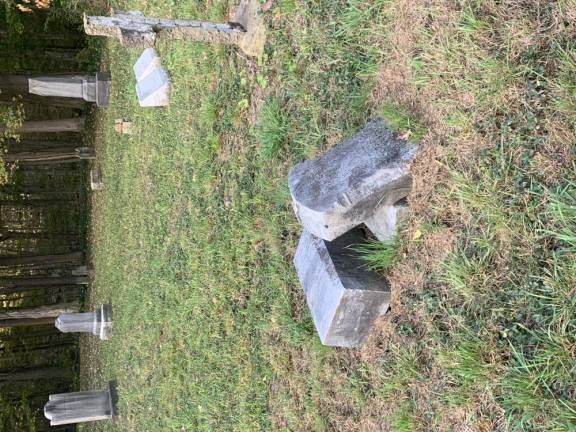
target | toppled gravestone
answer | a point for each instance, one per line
(154, 89)
(91, 88)
(365, 179)
(79, 407)
(99, 322)
(134, 29)
(148, 61)
(344, 297)
(152, 81)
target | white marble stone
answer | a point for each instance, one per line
(154, 89)
(146, 64)
(344, 297)
(79, 407)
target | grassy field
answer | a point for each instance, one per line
(193, 236)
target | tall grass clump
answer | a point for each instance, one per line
(271, 128)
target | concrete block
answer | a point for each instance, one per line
(344, 297)
(349, 184)
(146, 64)
(154, 90)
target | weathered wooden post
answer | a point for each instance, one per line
(133, 29)
(91, 88)
(79, 407)
(99, 322)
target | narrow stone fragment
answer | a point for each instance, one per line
(154, 89)
(349, 184)
(344, 297)
(99, 322)
(79, 407)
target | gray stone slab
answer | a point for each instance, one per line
(96, 182)
(99, 322)
(79, 407)
(344, 297)
(154, 89)
(349, 184)
(146, 64)
(91, 88)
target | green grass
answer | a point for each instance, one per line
(194, 234)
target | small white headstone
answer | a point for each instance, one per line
(96, 182)
(146, 64)
(154, 90)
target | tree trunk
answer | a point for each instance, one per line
(75, 124)
(52, 156)
(42, 260)
(42, 281)
(9, 323)
(38, 312)
(33, 373)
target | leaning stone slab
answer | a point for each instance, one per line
(351, 183)
(79, 407)
(91, 88)
(344, 297)
(154, 89)
(99, 322)
(146, 64)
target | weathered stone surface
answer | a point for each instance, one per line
(344, 297)
(249, 16)
(99, 322)
(154, 89)
(133, 29)
(91, 88)
(146, 64)
(386, 218)
(123, 126)
(79, 407)
(96, 182)
(350, 183)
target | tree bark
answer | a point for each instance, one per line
(75, 124)
(52, 156)
(33, 373)
(42, 281)
(42, 260)
(38, 312)
(9, 323)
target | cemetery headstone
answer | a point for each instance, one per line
(123, 126)
(134, 29)
(344, 297)
(79, 407)
(146, 64)
(96, 182)
(154, 89)
(362, 180)
(91, 88)
(99, 322)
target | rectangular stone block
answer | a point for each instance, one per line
(344, 297)
(146, 64)
(349, 184)
(154, 90)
